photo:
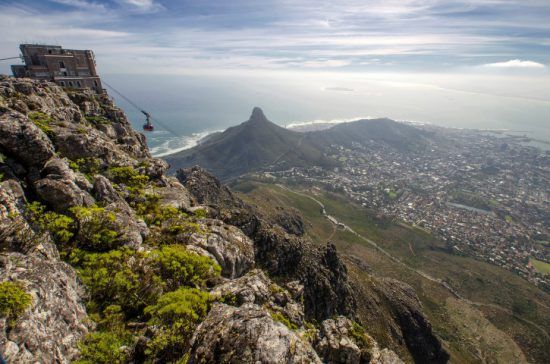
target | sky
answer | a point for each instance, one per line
(485, 47)
(349, 35)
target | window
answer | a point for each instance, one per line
(62, 83)
(70, 83)
(78, 84)
(49, 51)
(95, 83)
(61, 64)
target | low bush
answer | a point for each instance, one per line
(280, 317)
(122, 277)
(176, 314)
(13, 300)
(98, 120)
(104, 348)
(129, 177)
(90, 166)
(97, 229)
(178, 267)
(59, 226)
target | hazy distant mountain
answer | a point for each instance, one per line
(250, 146)
(258, 143)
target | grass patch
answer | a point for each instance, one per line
(540, 266)
(43, 122)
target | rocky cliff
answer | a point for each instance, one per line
(105, 259)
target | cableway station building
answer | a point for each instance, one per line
(69, 68)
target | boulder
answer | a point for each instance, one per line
(24, 141)
(58, 186)
(247, 334)
(174, 194)
(337, 345)
(256, 288)
(228, 245)
(104, 191)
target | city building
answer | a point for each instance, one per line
(66, 67)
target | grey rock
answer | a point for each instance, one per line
(255, 287)
(174, 194)
(131, 228)
(233, 250)
(337, 345)
(16, 234)
(49, 330)
(385, 356)
(58, 187)
(104, 191)
(247, 334)
(61, 194)
(24, 141)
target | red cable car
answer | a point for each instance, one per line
(147, 126)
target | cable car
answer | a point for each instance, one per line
(147, 126)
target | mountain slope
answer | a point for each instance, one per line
(250, 146)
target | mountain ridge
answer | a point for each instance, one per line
(251, 145)
(257, 144)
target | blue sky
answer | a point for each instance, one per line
(161, 36)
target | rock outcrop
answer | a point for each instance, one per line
(247, 334)
(227, 245)
(49, 331)
(320, 270)
(328, 291)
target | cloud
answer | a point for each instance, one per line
(337, 88)
(82, 4)
(143, 6)
(329, 63)
(515, 63)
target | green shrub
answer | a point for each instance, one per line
(201, 214)
(13, 300)
(178, 267)
(98, 120)
(90, 166)
(359, 335)
(129, 177)
(278, 316)
(167, 223)
(43, 122)
(176, 314)
(59, 226)
(122, 277)
(97, 229)
(104, 348)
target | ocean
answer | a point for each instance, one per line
(189, 107)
